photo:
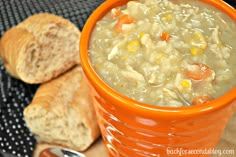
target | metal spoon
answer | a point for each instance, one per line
(60, 152)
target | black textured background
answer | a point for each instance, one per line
(15, 138)
(231, 2)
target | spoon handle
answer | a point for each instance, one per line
(60, 152)
(47, 153)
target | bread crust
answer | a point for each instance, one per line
(28, 48)
(12, 47)
(62, 112)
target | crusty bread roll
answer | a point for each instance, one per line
(62, 112)
(40, 48)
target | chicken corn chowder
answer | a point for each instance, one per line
(167, 53)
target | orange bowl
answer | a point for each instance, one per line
(134, 129)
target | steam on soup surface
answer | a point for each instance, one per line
(167, 53)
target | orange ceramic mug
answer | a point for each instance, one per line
(133, 129)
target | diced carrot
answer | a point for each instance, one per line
(115, 13)
(202, 71)
(123, 19)
(165, 36)
(201, 100)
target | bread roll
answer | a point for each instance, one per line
(40, 48)
(62, 112)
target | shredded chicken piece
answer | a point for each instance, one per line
(126, 27)
(146, 40)
(114, 52)
(170, 93)
(215, 36)
(130, 73)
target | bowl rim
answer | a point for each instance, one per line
(129, 104)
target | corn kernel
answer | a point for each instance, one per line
(185, 83)
(160, 55)
(199, 40)
(167, 17)
(133, 46)
(195, 51)
(197, 35)
(141, 35)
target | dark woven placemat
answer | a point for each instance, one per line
(14, 11)
(15, 138)
(231, 2)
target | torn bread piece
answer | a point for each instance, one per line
(62, 112)
(40, 48)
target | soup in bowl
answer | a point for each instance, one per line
(161, 74)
